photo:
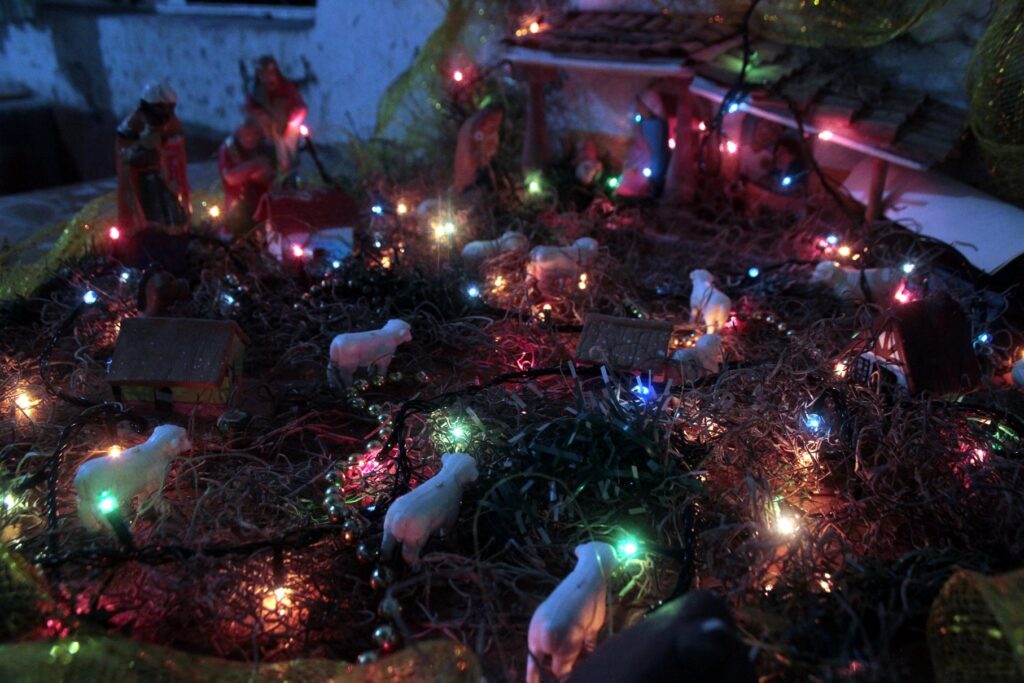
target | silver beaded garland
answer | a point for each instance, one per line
(381, 578)
(385, 637)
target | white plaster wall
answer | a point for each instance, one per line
(27, 56)
(355, 48)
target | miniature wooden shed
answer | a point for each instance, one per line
(177, 364)
(928, 342)
(624, 343)
(697, 57)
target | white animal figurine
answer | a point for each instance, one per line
(475, 252)
(707, 303)
(881, 283)
(550, 266)
(432, 506)
(373, 349)
(1017, 373)
(138, 471)
(702, 359)
(427, 208)
(573, 614)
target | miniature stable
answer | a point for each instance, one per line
(664, 406)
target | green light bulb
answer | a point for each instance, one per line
(106, 503)
(628, 547)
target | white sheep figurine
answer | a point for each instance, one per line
(373, 350)
(432, 506)
(550, 265)
(138, 471)
(707, 303)
(476, 252)
(845, 282)
(702, 359)
(573, 614)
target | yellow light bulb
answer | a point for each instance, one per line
(214, 211)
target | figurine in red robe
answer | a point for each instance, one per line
(246, 171)
(276, 104)
(152, 170)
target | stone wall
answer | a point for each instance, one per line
(98, 61)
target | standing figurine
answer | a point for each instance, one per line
(476, 146)
(151, 165)
(276, 104)
(246, 171)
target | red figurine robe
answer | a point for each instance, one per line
(246, 173)
(152, 175)
(276, 103)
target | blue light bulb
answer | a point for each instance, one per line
(89, 297)
(754, 271)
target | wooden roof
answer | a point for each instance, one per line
(173, 352)
(914, 129)
(629, 35)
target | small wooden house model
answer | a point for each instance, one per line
(923, 345)
(177, 364)
(624, 343)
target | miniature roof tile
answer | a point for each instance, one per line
(900, 121)
(628, 35)
(173, 352)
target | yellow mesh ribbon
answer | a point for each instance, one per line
(976, 628)
(841, 23)
(995, 89)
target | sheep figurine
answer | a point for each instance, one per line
(702, 359)
(573, 614)
(846, 282)
(475, 252)
(708, 303)
(550, 265)
(432, 506)
(138, 471)
(373, 350)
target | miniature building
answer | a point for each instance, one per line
(624, 343)
(177, 364)
(297, 216)
(694, 62)
(923, 345)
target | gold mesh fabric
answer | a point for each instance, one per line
(995, 88)
(120, 660)
(26, 607)
(24, 601)
(976, 628)
(841, 23)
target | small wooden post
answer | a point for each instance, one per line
(535, 143)
(681, 178)
(876, 193)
